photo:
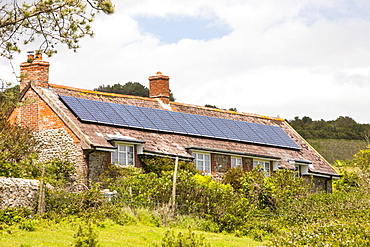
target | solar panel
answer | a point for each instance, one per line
(125, 115)
(156, 120)
(177, 122)
(171, 122)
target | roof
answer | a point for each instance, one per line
(97, 134)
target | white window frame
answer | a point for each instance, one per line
(125, 152)
(265, 166)
(203, 162)
(236, 162)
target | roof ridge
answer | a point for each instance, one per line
(229, 111)
(100, 93)
(171, 102)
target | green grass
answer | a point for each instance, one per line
(109, 235)
(337, 149)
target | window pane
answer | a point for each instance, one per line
(130, 157)
(207, 167)
(207, 158)
(267, 166)
(121, 148)
(233, 162)
(200, 157)
(255, 164)
(115, 156)
(199, 164)
(122, 158)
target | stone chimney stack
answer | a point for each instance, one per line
(159, 87)
(35, 71)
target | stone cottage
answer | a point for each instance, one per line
(94, 129)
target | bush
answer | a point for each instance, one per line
(10, 216)
(62, 203)
(28, 225)
(233, 177)
(86, 237)
(188, 239)
(158, 165)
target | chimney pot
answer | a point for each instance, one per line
(159, 87)
(34, 71)
(38, 56)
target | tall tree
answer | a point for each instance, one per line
(48, 22)
(130, 88)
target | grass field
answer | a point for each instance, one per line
(337, 149)
(109, 235)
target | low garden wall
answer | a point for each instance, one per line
(17, 192)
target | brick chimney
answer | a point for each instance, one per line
(35, 70)
(159, 87)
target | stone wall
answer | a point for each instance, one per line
(17, 192)
(319, 184)
(59, 144)
(98, 163)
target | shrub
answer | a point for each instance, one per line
(86, 237)
(158, 165)
(61, 203)
(10, 216)
(188, 239)
(59, 172)
(28, 225)
(233, 177)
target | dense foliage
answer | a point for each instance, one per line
(341, 128)
(48, 22)
(130, 88)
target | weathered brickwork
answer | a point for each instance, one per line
(247, 164)
(59, 144)
(35, 70)
(37, 115)
(98, 163)
(319, 184)
(17, 192)
(220, 163)
(160, 87)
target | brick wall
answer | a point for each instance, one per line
(247, 164)
(55, 137)
(34, 70)
(159, 87)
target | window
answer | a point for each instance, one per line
(236, 162)
(202, 162)
(265, 166)
(123, 155)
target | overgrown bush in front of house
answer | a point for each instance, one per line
(158, 165)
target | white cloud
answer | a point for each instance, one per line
(283, 58)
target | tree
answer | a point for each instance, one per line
(211, 106)
(48, 22)
(130, 88)
(8, 98)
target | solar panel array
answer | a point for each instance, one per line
(177, 122)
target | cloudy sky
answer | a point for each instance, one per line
(277, 58)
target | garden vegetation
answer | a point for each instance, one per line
(276, 210)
